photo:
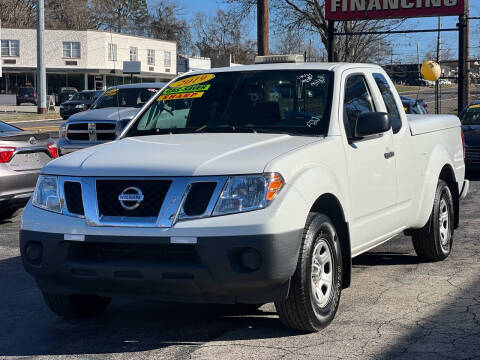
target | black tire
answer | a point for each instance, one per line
(76, 306)
(302, 310)
(435, 240)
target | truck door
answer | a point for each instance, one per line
(371, 168)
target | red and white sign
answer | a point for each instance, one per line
(384, 9)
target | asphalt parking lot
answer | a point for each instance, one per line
(396, 308)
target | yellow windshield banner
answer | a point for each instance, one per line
(190, 95)
(110, 92)
(192, 80)
(187, 89)
(474, 106)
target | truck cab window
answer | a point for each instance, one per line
(389, 101)
(357, 101)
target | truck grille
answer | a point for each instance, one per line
(473, 155)
(152, 191)
(73, 197)
(91, 131)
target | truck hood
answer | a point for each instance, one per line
(179, 155)
(472, 134)
(113, 114)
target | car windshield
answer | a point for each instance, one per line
(25, 91)
(5, 127)
(287, 101)
(471, 116)
(124, 97)
(83, 96)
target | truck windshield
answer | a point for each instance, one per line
(471, 116)
(124, 97)
(296, 102)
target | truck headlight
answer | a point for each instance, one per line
(46, 194)
(248, 192)
(62, 131)
(80, 106)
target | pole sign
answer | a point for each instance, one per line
(387, 9)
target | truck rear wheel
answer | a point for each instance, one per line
(316, 285)
(76, 306)
(434, 241)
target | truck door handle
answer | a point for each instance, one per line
(389, 155)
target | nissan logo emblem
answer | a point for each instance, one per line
(131, 198)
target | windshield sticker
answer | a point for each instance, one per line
(313, 121)
(190, 95)
(192, 80)
(110, 92)
(152, 90)
(474, 106)
(187, 89)
(314, 82)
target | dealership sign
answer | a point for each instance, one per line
(384, 9)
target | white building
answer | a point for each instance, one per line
(82, 59)
(192, 63)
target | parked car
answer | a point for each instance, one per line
(26, 94)
(22, 155)
(470, 118)
(106, 117)
(214, 192)
(79, 102)
(65, 94)
(414, 106)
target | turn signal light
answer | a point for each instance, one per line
(53, 150)
(6, 154)
(274, 186)
(463, 143)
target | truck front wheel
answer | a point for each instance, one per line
(76, 306)
(316, 285)
(434, 241)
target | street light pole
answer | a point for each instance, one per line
(41, 72)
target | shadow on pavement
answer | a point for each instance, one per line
(28, 328)
(384, 258)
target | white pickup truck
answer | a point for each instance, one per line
(246, 185)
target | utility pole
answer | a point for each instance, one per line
(467, 51)
(41, 72)
(437, 83)
(262, 27)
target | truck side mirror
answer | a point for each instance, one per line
(372, 123)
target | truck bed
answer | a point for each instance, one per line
(422, 124)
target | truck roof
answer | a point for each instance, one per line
(158, 85)
(338, 66)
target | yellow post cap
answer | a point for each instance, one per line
(431, 70)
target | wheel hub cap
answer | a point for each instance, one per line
(444, 223)
(322, 273)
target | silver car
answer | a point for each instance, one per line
(22, 155)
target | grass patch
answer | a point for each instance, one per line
(12, 117)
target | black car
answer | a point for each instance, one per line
(80, 101)
(470, 118)
(414, 106)
(64, 94)
(26, 94)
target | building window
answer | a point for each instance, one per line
(168, 59)
(71, 49)
(151, 57)
(10, 48)
(133, 54)
(112, 52)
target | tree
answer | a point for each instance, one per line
(309, 16)
(18, 13)
(122, 16)
(165, 23)
(294, 42)
(223, 34)
(68, 15)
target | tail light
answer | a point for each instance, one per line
(6, 154)
(425, 105)
(34, 95)
(463, 144)
(53, 150)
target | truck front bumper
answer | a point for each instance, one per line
(216, 269)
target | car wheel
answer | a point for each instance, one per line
(434, 241)
(76, 306)
(316, 285)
